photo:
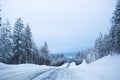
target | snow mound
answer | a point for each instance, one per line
(73, 65)
(106, 68)
(64, 65)
(83, 63)
(3, 66)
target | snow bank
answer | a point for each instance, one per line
(83, 63)
(73, 65)
(64, 65)
(106, 68)
(3, 66)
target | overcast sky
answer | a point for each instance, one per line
(66, 25)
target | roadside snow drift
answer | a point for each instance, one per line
(107, 68)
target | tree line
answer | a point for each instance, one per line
(17, 47)
(107, 44)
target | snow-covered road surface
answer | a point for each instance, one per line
(107, 68)
(29, 72)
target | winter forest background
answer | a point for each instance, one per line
(17, 45)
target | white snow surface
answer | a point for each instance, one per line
(107, 68)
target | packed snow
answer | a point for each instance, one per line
(107, 68)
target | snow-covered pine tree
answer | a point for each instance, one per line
(35, 57)
(106, 45)
(18, 42)
(115, 30)
(80, 57)
(44, 53)
(102, 46)
(99, 48)
(57, 59)
(88, 55)
(5, 42)
(28, 45)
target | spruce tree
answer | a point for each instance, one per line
(44, 53)
(18, 42)
(28, 44)
(5, 42)
(115, 30)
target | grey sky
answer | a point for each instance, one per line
(67, 25)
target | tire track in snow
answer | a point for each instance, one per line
(13, 75)
(7, 72)
(68, 65)
(38, 74)
(52, 75)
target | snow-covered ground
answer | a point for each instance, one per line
(107, 68)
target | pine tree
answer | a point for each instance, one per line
(115, 30)
(99, 46)
(28, 44)
(57, 59)
(80, 57)
(106, 44)
(44, 53)
(6, 42)
(18, 42)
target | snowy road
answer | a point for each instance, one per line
(51, 74)
(31, 72)
(106, 68)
